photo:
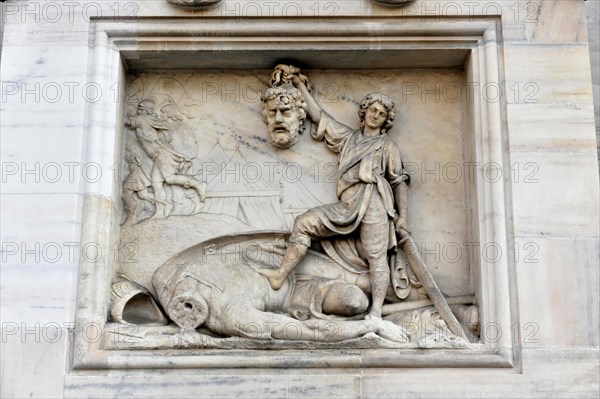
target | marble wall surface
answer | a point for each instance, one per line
(553, 191)
(593, 25)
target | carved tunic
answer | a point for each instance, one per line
(369, 169)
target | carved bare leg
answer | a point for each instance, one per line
(363, 282)
(293, 255)
(130, 206)
(375, 243)
(199, 186)
(188, 181)
(160, 200)
(379, 283)
(145, 195)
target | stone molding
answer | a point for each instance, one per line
(184, 43)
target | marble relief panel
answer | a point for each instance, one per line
(216, 120)
(199, 165)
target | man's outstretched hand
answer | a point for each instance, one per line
(402, 228)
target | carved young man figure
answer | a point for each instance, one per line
(371, 191)
(154, 137)
(284, 113)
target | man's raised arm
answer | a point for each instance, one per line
(314, 109)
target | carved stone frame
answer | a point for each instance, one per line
(144, 41)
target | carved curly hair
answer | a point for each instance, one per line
(382, 99)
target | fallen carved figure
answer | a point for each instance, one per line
(218, 288)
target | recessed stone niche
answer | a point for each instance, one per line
(449, 126)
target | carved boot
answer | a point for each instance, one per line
(197, 185)
(293, 255)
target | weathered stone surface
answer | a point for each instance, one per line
(549, 52)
